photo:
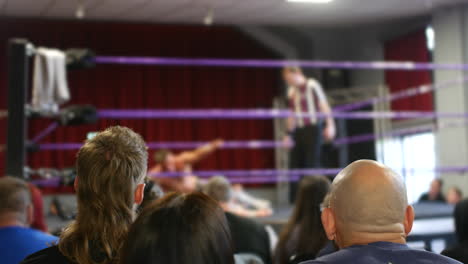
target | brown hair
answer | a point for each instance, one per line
(160, 156)
(304, 236)
(291, 69)
(109, 168)
(14, 197)
(180, 229)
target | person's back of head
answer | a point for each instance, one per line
(293, 75)
(219, 189)
(152, 193)
(454, 195)
(367, 203)
(305, 226)
(180, 229)
(111, 168)
(436, 187)
(15, 202)
(161, 155)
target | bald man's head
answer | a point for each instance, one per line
(368, 199)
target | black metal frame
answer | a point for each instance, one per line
(18, 66)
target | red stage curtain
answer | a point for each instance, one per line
(411, 47)
(148, 87)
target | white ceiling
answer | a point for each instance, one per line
(339, 12)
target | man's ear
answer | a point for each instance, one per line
(329, 224)
(409, 219)
(139, 193)
(29, 215)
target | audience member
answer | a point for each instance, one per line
(243, 204)
(39, 222)
(179, 229)
(17, 239)
(367, 215)
(248, 236)
(303, 236)
(435, 192)
(111, 168)
(242, 197)
(454, 195)
(152, 193)
(460, 251)
(246, 205)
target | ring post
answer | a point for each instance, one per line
(18, 50)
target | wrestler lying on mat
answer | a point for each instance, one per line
(167, 161)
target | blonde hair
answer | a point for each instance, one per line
(109, 167)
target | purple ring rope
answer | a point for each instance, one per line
(265, 144)
(400, 132)
(49, 129)
(371, 136)
(252, 144)
(251, 173)
(267, 175)
(265, 114)
(268, 63)
(422, 89)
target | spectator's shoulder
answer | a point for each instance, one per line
(245, 223)
(44, 236)
(452, 259)
(313, 82)
(313, 262)
(50, 255)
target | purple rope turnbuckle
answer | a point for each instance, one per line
(267, 63)
(53, 182)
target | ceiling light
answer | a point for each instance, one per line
(311, 1)
(208, 19)
(80, 11)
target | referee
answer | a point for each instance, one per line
(305, 95)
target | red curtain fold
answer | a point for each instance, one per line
(148, 87)
(411, 47)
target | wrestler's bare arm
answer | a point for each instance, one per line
(194, 156)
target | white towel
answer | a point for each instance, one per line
(50, 88)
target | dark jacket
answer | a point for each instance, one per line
(50, 255)
(382, 252)
(458, 252)
(249, 237)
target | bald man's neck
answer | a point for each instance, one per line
(362, 238)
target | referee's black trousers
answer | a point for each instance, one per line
(305, 153)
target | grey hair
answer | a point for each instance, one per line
(15, 197)
(218, 188)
